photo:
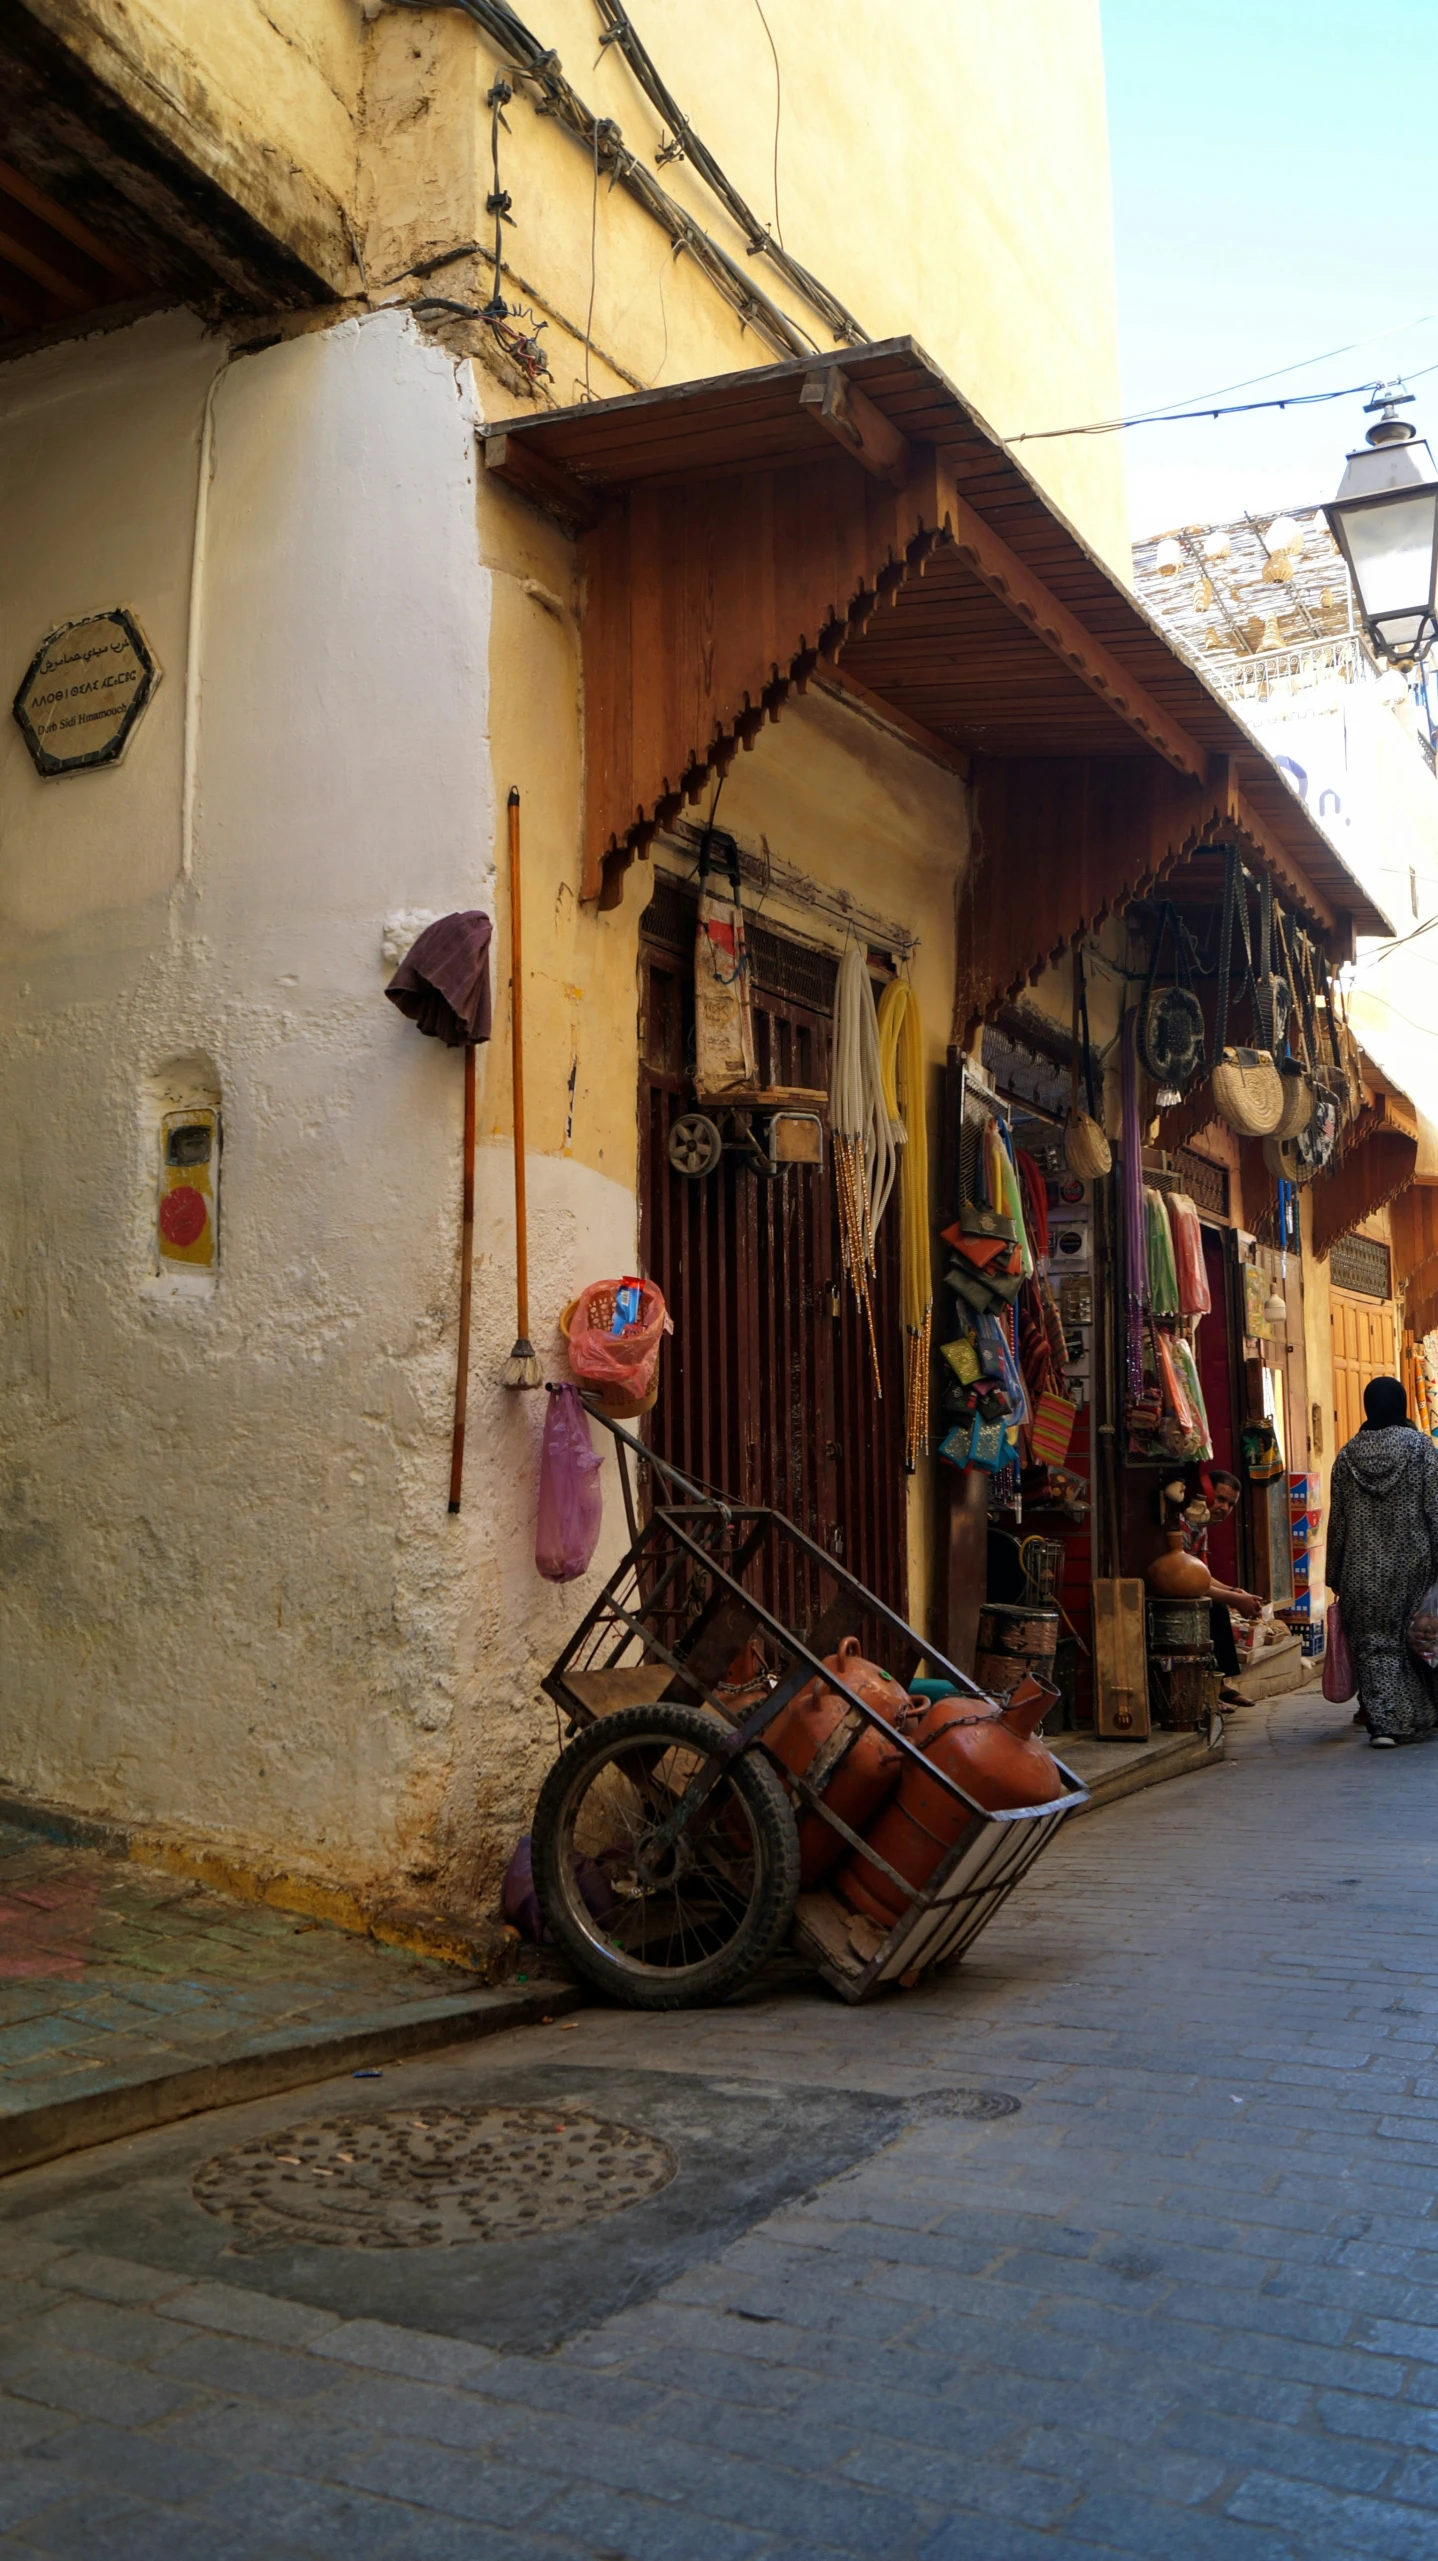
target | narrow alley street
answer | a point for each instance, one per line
(1117, 2240)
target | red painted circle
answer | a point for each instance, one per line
(183, 1215)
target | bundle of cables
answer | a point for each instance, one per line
(901, 1058)
(861, 1132)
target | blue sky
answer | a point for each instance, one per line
(1274, 171)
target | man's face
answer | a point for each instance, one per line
(1223, 1500)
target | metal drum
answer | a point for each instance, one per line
(1014, 1639)
(1182, 1673)
(1179, 1627)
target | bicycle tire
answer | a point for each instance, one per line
(750, 1789)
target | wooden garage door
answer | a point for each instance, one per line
(1364, 1346)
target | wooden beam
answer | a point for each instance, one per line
(1004, 574)
(516, 463)
(59, 218)
(828, 397)
(1280, 866)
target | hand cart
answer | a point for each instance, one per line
(665, 1841)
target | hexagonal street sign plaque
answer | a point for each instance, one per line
(84, 690)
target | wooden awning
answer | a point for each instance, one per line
(740, 534)
(1377, 1165)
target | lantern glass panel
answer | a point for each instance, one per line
(1391, 548)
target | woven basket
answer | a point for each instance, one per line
(1297, 1101)
(1248, 1092)
(1086, 1148)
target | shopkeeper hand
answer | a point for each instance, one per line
(1247, 1604)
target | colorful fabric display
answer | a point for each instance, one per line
(1013, 1202)
(1162, 1276)
(1188, 1371)
(1052, 1429)
(1194, 1296)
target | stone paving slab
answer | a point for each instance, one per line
(1180, 2305)
(130, 1997)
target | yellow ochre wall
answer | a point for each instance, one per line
(363, 646)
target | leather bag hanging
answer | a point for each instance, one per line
(1172, 1039)
(1085, 1143)
(1298, 1094)
(1247, 1087)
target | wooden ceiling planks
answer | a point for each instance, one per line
(1004, 638)
(53, 266)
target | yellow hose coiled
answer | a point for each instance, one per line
(901, 1070)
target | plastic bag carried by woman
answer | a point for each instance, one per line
(571, 1506)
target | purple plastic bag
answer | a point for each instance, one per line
(571, 1507)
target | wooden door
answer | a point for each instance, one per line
(1364, 1347)
(768, 1391)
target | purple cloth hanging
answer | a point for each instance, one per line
(442, 983)
(1135, 1220)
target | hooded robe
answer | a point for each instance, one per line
(1382, 1561)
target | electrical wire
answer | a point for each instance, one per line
(1187, 417)
(687, 145)
(539, 66)
(593, 265)
(778, 112)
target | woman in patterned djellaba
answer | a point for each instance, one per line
(1383, 1560)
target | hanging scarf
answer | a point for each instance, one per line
(861, 1133)
(1162, 1275)
(901, 1062)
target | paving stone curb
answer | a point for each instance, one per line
(261, 2066)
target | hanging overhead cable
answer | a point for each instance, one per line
(538, 66)
(686, 145)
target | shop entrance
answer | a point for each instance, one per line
(767, 1387)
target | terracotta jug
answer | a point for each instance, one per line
(994, 1759)
(820, 1737)
(1175, 1575)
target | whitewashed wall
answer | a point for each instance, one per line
(231, 1593)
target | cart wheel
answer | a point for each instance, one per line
(695, 1145)
(664, 1924)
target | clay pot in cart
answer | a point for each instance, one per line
(821, 1738)
(994, 1759)
(1175, 1575)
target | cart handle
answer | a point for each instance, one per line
(708, 1494)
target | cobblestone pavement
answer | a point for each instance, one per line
(1179, 2305)
(111, 1973)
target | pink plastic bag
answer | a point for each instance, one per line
(571, 1507)
(1339, 1683)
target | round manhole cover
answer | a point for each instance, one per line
(419, 2178)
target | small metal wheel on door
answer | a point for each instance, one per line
(696, 1145)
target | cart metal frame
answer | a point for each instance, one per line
(672, 1616)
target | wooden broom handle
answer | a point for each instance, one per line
(466, 1286)
(516, 1044)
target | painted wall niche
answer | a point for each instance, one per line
(182, 1130)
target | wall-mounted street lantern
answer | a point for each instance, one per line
(1385, 522)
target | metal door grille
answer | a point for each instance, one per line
(767, 1390)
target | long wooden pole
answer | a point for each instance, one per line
(516, 1038)
(466, 1286)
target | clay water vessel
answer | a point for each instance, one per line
(853, 1764)
(1175, 1575)
(996, 1762)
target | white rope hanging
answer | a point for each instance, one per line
(863, 1136)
